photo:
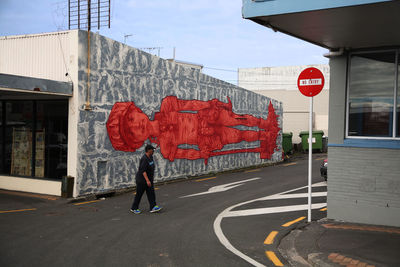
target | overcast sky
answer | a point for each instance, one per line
(208, 32)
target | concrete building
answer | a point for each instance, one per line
(364, 97)
(280, 83)
(86, 111)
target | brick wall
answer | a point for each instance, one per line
(364, 185)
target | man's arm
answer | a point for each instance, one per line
(147, 179)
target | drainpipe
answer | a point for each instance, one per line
(87, 104)
(334, 53)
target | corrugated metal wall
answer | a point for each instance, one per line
(45, 56)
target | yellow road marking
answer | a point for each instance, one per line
(9, 211)
(289, 164)
(270, 238)
(324, 209)
(292, 222)
(205, 179)
(271, 255)
(87, 202)
(256, 170)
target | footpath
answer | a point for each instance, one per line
(328, 243)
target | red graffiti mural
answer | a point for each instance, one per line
(205, 126)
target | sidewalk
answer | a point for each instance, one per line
(330, 243)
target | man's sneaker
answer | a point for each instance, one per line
(155, 209)
(137, 211)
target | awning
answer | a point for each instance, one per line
(345, 26)
(11, 85)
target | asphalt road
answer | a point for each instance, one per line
(227, 226)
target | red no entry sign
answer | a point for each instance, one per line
(310, 82)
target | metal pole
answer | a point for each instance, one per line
(310, 159)
(98, 14)
(79, 14)
(69, 14)
(89, 15)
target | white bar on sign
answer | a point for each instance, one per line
(306, 82)
(313, 140)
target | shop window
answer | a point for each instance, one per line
(34, 138)
(371, 95)
(51, 136)
(18, 137)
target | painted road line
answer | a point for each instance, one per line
(324, 209)
(289, 164)
(257, 170)
(205, 179)
(300, 195)
(270, 238)
(293, 222)
(224, 240)
(271, 255)
(9, 211)
(261, 211)
(87, 202)
(223, 188)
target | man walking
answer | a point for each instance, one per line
(144, 182)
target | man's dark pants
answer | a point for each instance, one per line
(140, 189)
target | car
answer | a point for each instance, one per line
(324, 169)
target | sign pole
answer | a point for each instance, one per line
(310, 83)
(310, 158)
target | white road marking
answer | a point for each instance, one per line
(301, 195)
(222, 188)
(281, 209)
(229, 213)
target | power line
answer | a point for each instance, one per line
(220, 69)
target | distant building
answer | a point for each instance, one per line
(281, 83)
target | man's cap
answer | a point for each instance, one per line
(148, 147)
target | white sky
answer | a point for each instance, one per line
(208, 32)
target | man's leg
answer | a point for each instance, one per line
(151, 195)
(140, 188)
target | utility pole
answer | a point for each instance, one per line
(126, 37)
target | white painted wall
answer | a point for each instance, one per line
(31, 185)
(44, 56)
(280, 83)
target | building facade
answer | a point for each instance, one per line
(364, 98)
(280, 83)
(71, 103)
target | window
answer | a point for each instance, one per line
(372, 96)
(33, 138)
(398, 96)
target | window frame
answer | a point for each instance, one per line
(395, 95)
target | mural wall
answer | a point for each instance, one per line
(200, 124)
